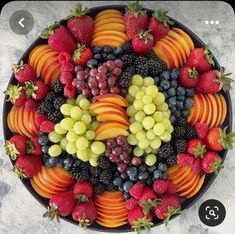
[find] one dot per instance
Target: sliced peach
(111, 219)
(63, 173)
(181, 171)
(112, 207)
(183, 177)
(113, 216)
(21, 123)
(184, 193)
(110, 42)
(108, 108)
(9, 123)
(119, 34)
(191, 114)
(11, 118)
(224, 108)
(115, 26)
(113, 194)
(108, 12)
(209, 110)
(186, 36)
(39, 190)
(108, 20)
(97, 107)
(220, 109)
(110, 124)
(111, 224)
(50, 72)
(111, 115)
(39, 56)
(101, 200)
(106, 16)
(30, 122)
(54, 76)
(107, 37)
(199, 107)
(113, 98)
(17, 123)
(111, 133)
(214, 110)
(34, 114)
(199, 185)
(35, 53)
(188, 183)
(49, 61)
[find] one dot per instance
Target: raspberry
(201, 130)
(64, 56)
(65, 66)
(160, 186)
(171, 188)
(136, 190)
(131, 204)
(39, 119)
(69, 91)
(47, 126)
(197, 166)
(184, 160)
(31, 105)
(66, 78)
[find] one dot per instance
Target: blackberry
(151, 55)
(190, 132)
(165, 151)
(156, 66)
(51, 96)
(125, 79)
(95, 171)
(172, 160)
(128, 60)
(105, 176)
(55, 116)
(45, 107)
(85, 166)
(180, 146)
(58, 102)
(94, 180)
(99, 189)
(57, 87)
(182, 121)
(178, 132)
(142, 69)
(127, 47)
(111, 187)
(140, 60)
(78, 174)
(104, 162)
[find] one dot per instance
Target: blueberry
(47, 163)
(171, 92)
(188, 103)
(107, 49)
(181, 98)
(173, 109)
(124, 176)
(127, 186)
(143, 167)
(98, 57)
(126, 196)
(190, 92)
(180, 105)
(111, 57)
(174, 74)
(77, 163)
(156, 80)
(151, 169)
(178, 114)
(68, 161)
(172, 101)
(143, 176)
(156, 174)
(67, 167)
(92, 63)
(118, 51)
(165, 84)
(131, 171)
(43, 139)
(45, 148)
(117, 181)
(185, 113)
(134, 178)
(116, 174)
(53, 161)
(104, 55)
(162, 167)
(164, 176)
(60, 163)
(149, 182)
(96, 49)
(174, 83)
(172, 118)
(180, 91)
(44, 159)
(165, 75)
(121, 188)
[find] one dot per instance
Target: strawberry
(213, 81)
(83, 190)
(17, 95)
(171, 188)
(64, 56)
(211, 163)
(33, 147)
(31, 105)
(170, 206)
(197, 166)
(159, 24)
(24, 72)
(70, 91)
(38, 90)
(142, 43)
(67, 67)
(188, 77)
(80, 25)
(131, 204)
(196, 148)
(84, 213)
(60, 204)
(201, 130)
(47, 126)
(201, 59)
(138, 220)
(81, 55)
(184, 160)
(59, 38)
(217, 139)
(27, 166)
(135, 19)
(39, 119)
(66, 78)
(16, 146)
(160, 186)
(136, 190)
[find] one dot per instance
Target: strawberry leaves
(161, 16)
(171, 211)
(46, 32)
(142, 224)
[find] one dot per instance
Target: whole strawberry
(135, 19)
(17, 95)
(38, 90)
(84, 213)
(31, 105)
(60, 204)
(142, 43)
(24, 72)
(83, 190)
(201, 130)
(16, 146)
(196, 148)
(59, 38)
(201, 59)
(80, 25)
(33, 146)
(159, 24)
(217, 139)
(213, 81)
(211, 163)
(27, 166)
(170, 206)
(188, 77)
(81, 55)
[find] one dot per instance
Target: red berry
(137, 190)
(47, 126)
(31, 105)
(66, 78)
(160, 186)
(201, 130)
(39, 119)
(131, 204)
(69, 91)
(64, 56)
(65, 66)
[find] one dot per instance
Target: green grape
(76, 113)
(148, 150)
(71, 101)
(162, 107)
(150, 134)
(129, 98)
(158, 116)
(165, 137)
(54, 150)
(54, 137)
(170, 129)
(131, 111)
(84, 104)
(59, 129)
(98, 147)
(65, 109)
(79, 97)
(133, 89)
(138, 105)
(159, 99)
(143, 144)
(71, 136)
(86, 119)
(135, 127)
(138, 151)
(139, 95)
(156, 143)
(94, 125)
(143, 88)
(166, 114)
(149, 109)
(79, 127)
(150, 159)
(82, 143)
(67, 123)
(132, 120)
(158, 129)
(148, 122)
(83, 155)
(93, 162)
(155, 151)
(90, 135)
(137, 80)
(131, 139)
(71, 148)
(140, 135)
(63, 143)
(93, 155)
(148, 81)
(152, 90)
(147, 99)
(166, 123)
(139, 116)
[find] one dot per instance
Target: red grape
(115, 90)
(81, 75)
(86, 92)
(103, 85)
(111, 143)
(123, 155)
(93, 72)
(117, 150)
(121, 140)
(117, 71)
(100, 77)
(111, 82)
(92, 83)
(122, 167)
(103, 91)
(114, 158)
(127, 161)
(102, 69)
(81, 84)
(118, 63)
(74, 83)
(77, 68)
(95, 91)
(110, 65)
(136, 161)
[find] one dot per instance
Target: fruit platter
(117, 118)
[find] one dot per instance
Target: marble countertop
(19, 211)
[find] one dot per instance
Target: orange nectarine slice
(119, 34)
(115, 26)
(171, 170)
(191, 114)
(111, 207)
(97, 107)
(104, 200)
(18, 125)
(48, 62)
(54, 76)
(111, 195)
(38, 57)
(181, 178)
(199, 185)
(224, 108)
(179, 172)
(111, 133)
(108, 20)
(108, 15)
(112, 116)
(110, 42)
(110, 124)
(9, 122)
(209, 110)
(41, 192)
(187, 183)
(111, 224)
(108, 12)
(107, 37)
(198, 105)
(50, 73)
(184, 193)
(21, 122)
(186, 36)
(36, 52)
(214, 110)
(10, 116)
(220, 109)
(113, 98)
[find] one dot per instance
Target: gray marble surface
(19, 211)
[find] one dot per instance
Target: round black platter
(186, 203)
